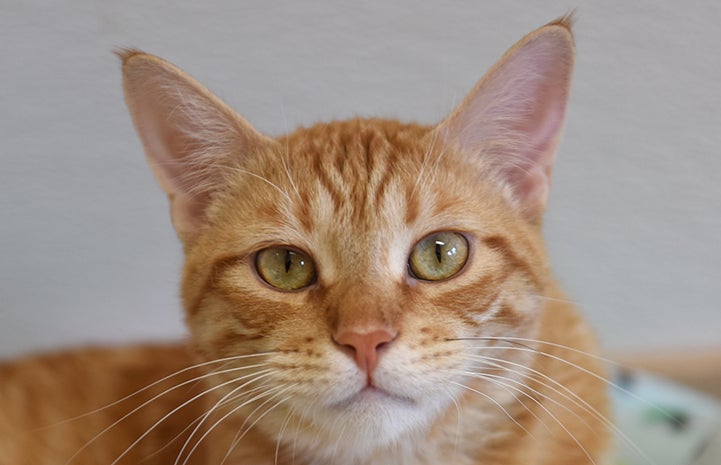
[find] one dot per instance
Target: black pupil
(288, 260)
(439, 248)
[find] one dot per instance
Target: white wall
(87, 253)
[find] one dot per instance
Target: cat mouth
(373, 395)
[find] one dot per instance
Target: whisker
(151, 385)
(512, 391)
(175, 438)
(459, 420)
(209, 430)
(543, 407)
(270, 409)
(524, 348)
(227, 398)
(495, 402)
(512, 339)
(490, 377)
(572, 397)
(232, 412)
(301, 418)
(153, 399)
(283, 426)
(202, 417)
(508, 389)
(176, 409)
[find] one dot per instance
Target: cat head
(356, 264)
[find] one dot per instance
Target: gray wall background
(87, 253)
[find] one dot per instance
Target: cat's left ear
(514, 116)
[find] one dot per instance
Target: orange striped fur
(368, 361)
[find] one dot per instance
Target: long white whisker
(227, 398)
(260, 417)
(176, 409)
(509, 390)
(301, 418)
(571, 396)
(495, 402)
(203, 416)
(494, 379)
(569, 363)
(459, 420)
(212, 427)
(283, 427)
(153, 399)
(190, 425)
(151, 385)
(538, 341)
(490, 377)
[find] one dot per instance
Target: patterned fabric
(662, 423)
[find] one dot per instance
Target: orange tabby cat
(357, 292)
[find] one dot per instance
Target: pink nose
(365, 346)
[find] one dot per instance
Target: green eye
(285, 268)
(439, 256)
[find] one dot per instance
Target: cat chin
(371, 397)
(368, 426)
(373, 421)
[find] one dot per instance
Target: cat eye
(439, 256)
(284, 268)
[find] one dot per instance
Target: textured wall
(87, 253)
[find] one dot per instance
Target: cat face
(359, 267)
(360, 239)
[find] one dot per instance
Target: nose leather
(365, 346)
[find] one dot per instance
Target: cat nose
(365, 346)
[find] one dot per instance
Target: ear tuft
(566, 21)
(125, 53)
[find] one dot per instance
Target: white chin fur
(366, 425)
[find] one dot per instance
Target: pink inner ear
(161, 139)
(546, 102)
(190, 137)
(515, 115)
(525, 97)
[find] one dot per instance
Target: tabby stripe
(303, 212)
(381, 188)
(217, 268)
(500, 244)
(465, 301)
(327, 183)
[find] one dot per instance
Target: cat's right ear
(191, 138)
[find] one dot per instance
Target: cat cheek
(329, 379)
(489, 313)
(419, 381)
